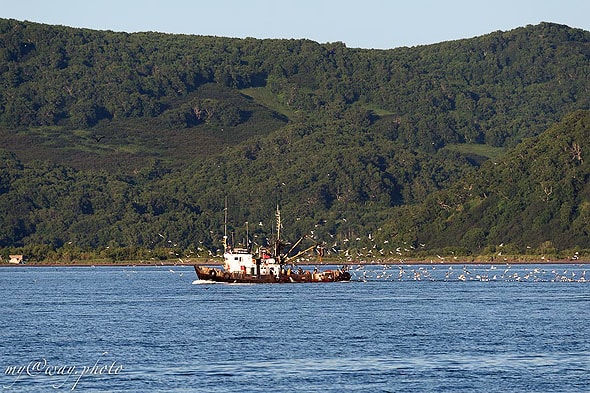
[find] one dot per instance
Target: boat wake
(209, 282)
(204, 282)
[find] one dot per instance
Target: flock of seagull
(444, 269)
(484, 273)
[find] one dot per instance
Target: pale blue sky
(359, 24)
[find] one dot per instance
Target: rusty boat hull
(220, 275)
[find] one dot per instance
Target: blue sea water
(393, 329)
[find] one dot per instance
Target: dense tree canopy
(115, 141)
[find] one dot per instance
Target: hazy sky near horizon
(380, 24)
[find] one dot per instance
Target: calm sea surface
(396, 329)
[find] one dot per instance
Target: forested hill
(132, 141)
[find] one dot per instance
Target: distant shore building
(16, 259)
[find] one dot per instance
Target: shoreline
(318, 263)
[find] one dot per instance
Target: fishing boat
(266, 265)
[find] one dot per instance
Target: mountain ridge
(346, 140)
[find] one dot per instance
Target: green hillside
(533, 199)
(126, 144)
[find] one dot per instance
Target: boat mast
(225, 227)
(278, 239)
(278, 214)
(247, 237)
